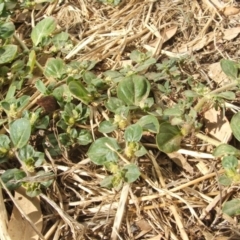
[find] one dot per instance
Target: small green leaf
(230, 68)
(169, 138)
(7, 53)
(22, 101)
(232, 207)
(224, 150)
(149, 123)
(2, 8)
(65, 139)
(11, 92)
(32, 189)
(62, 94)
(60, 39)
(227, 95)
(55, 68)
(145, 65)
(114, 103)
(6, 30)
(132, 173)
(133, 133)
(173, 112)
(20, 131)
(26, 152)
(80, 92)
(31, 60)
(84, 137)
(4, 147)
(11, 176)
(107, 182)
(190, 93)
(40, 86)
(137, 56)
(100, 153)
(229, 162)
(113, 76)
(107, 127)
(177, 121)
(225, 180)
(88, 76)
(42, 123)
(155, 76)
(134, 89)
(18, 65)
(235, 125)
(142, 151)
(43, 29)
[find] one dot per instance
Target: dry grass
(176, 197)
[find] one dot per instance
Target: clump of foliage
(72, 94)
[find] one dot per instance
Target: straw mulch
(177, 196)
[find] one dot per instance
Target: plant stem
(224, 88)
(201, 102)
(208, 139)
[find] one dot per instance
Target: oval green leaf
(235, 125)
(229, 162)
(113, 104)
(134, 89)
(137, 56)
(173, 112)
(20, 131)
(132, 173)
(84, 137)
(145, 65)
(169, 138)
(230, 68)
(107, 182)
(149, 123)
(80, 92)
(107, 127)
(88, 77)
(100, 153)
(11, 176)
(224, 150)
(31, 61)
(232, 207)
(40, 86)
(227, 95)
(43, 29)
(133, 133)
(55, 68)
(225, 180)
(6, 30)
(7, 53)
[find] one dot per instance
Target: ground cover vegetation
(119, 119)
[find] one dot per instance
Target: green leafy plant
(229, 155)
(104, 151)
(127, 105)
(16, 146)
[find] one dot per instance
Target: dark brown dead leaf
(48, 103)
